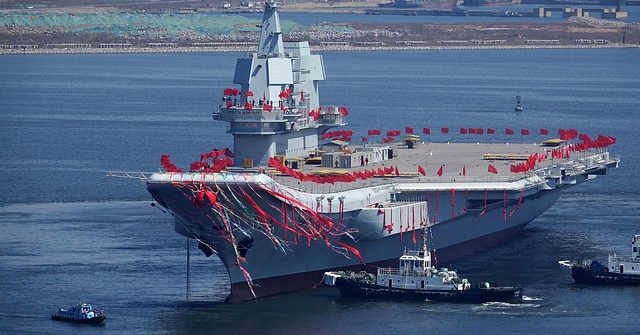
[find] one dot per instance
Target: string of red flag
(330, 179)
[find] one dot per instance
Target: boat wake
(505, 305)
(528, 298)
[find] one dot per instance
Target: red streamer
(519, 201)
(484, 209)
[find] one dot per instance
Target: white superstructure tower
(276, 110)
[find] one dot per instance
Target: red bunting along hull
(270, 263)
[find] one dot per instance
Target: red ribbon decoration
(519, 201)
(485, 203)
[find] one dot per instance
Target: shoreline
(342, 48)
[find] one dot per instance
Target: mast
(270, 34)
(188, 296)
(424, 250)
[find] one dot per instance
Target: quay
(495, 45)
(541, 12)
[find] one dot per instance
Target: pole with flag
(492, 169)
(421, 170)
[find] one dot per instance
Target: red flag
(531, 161)
(564, 135)
(248, 106)
(440, 171)
(444, 130)
(544, 131)
(606, 140)
(301, 95)
(463, 130)
(464, 170)
(492, 169)
(491, 131)
(249, 93)
(408, 130)
(508, 131)
(264, 96)
(426, 131)
(397, 172)
(422, 171)
(524, 131)
(286, 94)
(228, 153)
(364, 139)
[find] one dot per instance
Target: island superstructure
(278, 222)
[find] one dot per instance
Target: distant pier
(541, 12)
(605, 13)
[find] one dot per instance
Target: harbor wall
(15, 51)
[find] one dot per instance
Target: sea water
(69, 233)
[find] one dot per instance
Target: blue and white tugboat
(417, 279)
(81, 313)
(620, 270)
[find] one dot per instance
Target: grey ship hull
(274, 272)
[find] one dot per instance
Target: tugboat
(81, 313)
(620, 270)
(518, 106)
(416, 279)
